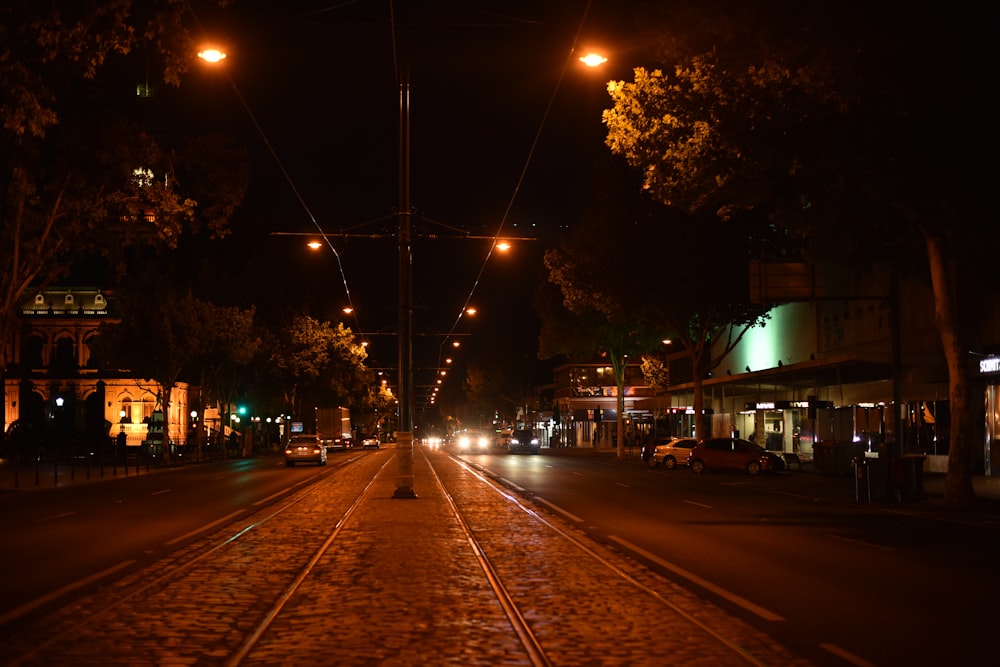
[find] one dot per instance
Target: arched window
(64, 357)
(31, 352)
(127, 409)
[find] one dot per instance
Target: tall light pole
(404, 434)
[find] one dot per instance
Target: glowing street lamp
(593, 59)
(212, 55)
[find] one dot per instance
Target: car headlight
(484, 443)
(463, 442)
(534, 441)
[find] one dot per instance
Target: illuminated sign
(787, 405)
(989, 365)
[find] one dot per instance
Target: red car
(733, 454)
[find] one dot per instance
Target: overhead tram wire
(520, 179)
(284, 171)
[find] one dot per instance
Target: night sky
(312, 90)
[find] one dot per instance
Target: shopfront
(785, 426)
(989, 370)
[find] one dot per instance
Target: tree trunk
(958, 480)
(701, 429)
(621, 418)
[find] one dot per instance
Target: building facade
(852, 361)
(56, 394)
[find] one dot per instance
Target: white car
(672, 453)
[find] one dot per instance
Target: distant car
(523, 440)
(340, 442)
(672, 453)
(305, 449)
(473, 441)
(371, 442)
(733, 454)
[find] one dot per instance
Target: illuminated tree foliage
(847, 123)
(318, 364)
(84, 169)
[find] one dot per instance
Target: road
(62, 539)
(793, 554)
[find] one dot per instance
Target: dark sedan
(733, 454)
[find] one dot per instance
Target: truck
(333, 426)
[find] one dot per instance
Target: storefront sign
(989, 365)
(787, 405)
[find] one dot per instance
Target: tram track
(323, 577)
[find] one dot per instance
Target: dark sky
(312, 89)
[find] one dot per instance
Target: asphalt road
(793, 554)
(58, 540)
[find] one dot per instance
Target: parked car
(371, 442)
(523, 440)
(671, 453)
(733, 454)
(305, 449)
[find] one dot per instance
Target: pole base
(404, 492)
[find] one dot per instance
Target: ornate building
(55, 389)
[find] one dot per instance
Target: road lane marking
(739, 601)
(556, 508)
(627, 486)
(37, 602)
(507, 482)
(861, 542)
(54, 517)
(846, 655)
(161, 492)
(696, 504)
(225, 519)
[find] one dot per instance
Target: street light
(593, 60)
(404, 434)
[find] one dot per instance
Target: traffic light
(241, 410)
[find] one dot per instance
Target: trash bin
(908, 477)
(862, 480)
(870, 483)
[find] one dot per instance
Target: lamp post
(404, 435)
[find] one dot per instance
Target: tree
(499, 384)
(824, 122)
(76, 175)
(701, 300)
(161, 335)
(317, 363)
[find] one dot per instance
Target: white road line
(627, 486)
(54, 517)
(228, 517)
(846, 655)
(691, 502)
(556, 508)
(37, 602)
(861, 542)
(161, 492)
(274, 495)
(507, 482)
(765, 614)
